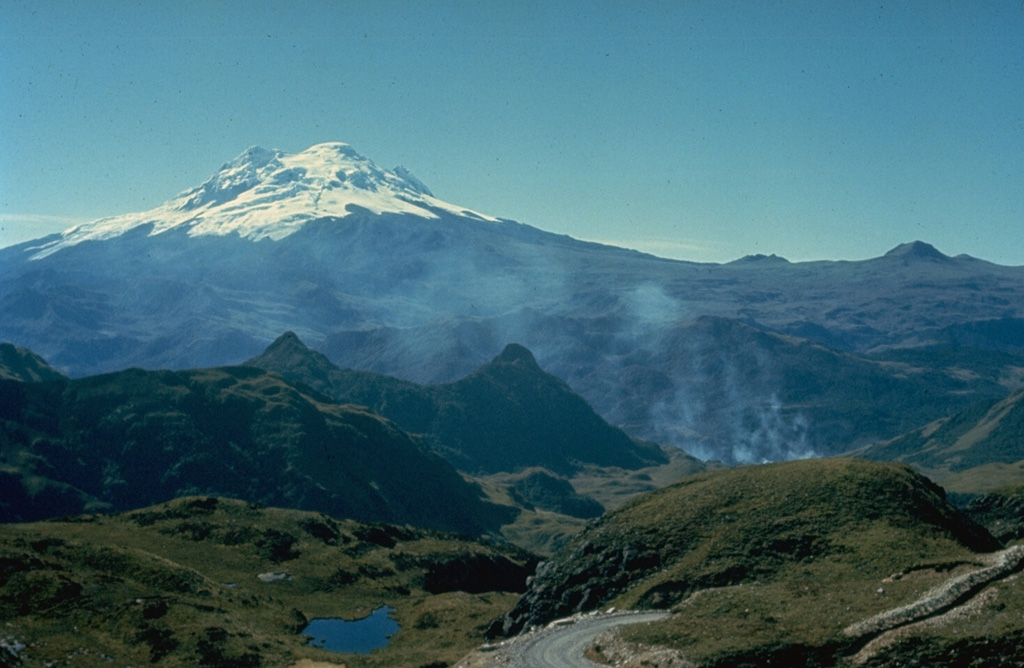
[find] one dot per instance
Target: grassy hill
(134, 438)
(179, 584)
(766, 564)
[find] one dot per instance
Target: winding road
(562, 646)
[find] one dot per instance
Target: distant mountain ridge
(379, 275)
(506, 415)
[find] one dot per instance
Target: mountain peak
(290, 357)
(287, 342)
(516, 354)
(761, 258)
(917, 250)
(269, 194)
(22, 364)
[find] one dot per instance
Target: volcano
(372, 269)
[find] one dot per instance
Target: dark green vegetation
(505, 416)
(179, 584)
(767, 565)
(23, 364)
(974, 451)
(135, 438)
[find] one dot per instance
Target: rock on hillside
(134, 438)
(759, 524)
(509, 414)
(1001, 512)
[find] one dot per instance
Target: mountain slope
(717, 388)
(136, 437)
(507, 415)
(977, 450)
(23, 364)
(270, 194)
(767, 565)
(368, 267)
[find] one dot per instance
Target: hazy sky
(698, 130)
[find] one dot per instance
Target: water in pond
(355, 637)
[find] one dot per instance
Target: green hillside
(134, 438)
(766, 565)
(507, 415)
(202, 581)
(976, 450)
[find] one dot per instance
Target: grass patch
(179, 584)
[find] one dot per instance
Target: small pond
(353, 637)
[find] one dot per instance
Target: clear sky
(706, 131)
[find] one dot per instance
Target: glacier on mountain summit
(268, 193)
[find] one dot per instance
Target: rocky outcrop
(586, 578)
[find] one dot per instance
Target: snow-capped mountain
(369, 267)
(270, 194)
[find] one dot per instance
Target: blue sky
(698, 130)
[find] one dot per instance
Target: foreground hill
(202, 581)
(507, 415)
(134, 438)
(974, 451)
(770, 565)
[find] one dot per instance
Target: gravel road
(563, 646)
(559, 645)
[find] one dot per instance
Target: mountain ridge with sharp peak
(509, 414)
(22, 364)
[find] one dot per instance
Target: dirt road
(561, 644)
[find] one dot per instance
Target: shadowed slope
(22, 364)
(139, 437)
(507, 415)
(976, 450)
